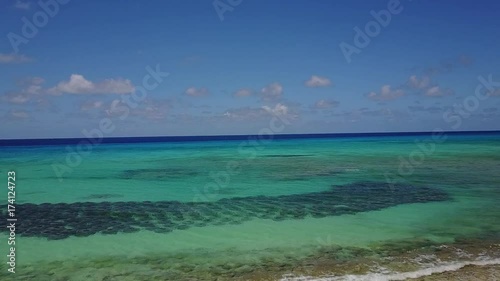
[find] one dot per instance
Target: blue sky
(234, 65)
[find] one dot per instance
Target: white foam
(440, 268)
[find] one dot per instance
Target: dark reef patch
(301, 175)
(59, 221)
(157, 174)
(285, 155)
(101, 196)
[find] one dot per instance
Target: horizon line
(187, 138)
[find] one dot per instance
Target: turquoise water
(240, 210)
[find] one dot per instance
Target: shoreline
(468, 272)
(473, 259)
(486, 270)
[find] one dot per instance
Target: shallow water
(226, 209)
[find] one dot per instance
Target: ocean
(286, 207)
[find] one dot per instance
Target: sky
(168, 68)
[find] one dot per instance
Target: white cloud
(272, 91)
(262, 113)
(18, 114)
(325, 104)
(33, 89)
(386, 93)
(32, 81)
(32, 85)
(196, 92)
(416, 83)
(245, 113)
(115, 108)
(77, 84)
(279, 109)
(431, 110)
(13, 58)
(494, 93)
(30, 89)
(91, 105)
(243, 93)
(17, 98)
(22, 5)
(154, 109)
(425, 87)
(318, 81)
(436, 91)
(153, 112)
